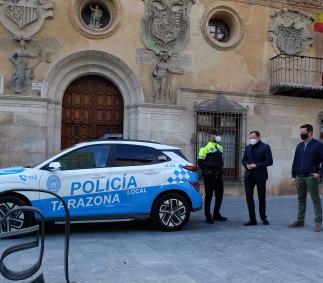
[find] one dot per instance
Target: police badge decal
(165, 25)
(24, 18)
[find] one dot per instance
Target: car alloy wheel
(171, 212)
(16, 220)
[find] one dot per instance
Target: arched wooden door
(92, 106)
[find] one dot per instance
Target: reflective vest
(211, 147)
(210, 158)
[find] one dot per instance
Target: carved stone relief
(165, 30)
(148, 57)
(24, 18)
(21, 80)
(289, 31)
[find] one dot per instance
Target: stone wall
(30, 124)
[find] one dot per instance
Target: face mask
(253, 141)
(218, 139)
(304, 136)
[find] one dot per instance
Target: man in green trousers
(306, 172)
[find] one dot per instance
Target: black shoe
(209, 220)
(219, 218)
(265, 222)
(251, 223)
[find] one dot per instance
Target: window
(178, 152)
(96, 18)
(135, 155)
(89, 157)
(228, 118)
(222, 26)
(219, 30)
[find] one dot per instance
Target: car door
(81, 180)
(137, 174)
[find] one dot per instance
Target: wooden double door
(92, 107)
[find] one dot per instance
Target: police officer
(210, 161)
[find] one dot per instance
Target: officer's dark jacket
(210, 159)
(259, 154)
(307, 160)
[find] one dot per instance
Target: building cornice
(310, 4)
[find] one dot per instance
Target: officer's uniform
(210, 161)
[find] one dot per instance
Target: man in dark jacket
(306, 171)
(256, 158)
(210, 161)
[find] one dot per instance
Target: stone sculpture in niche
(21, 81)
(96, 17)
(289, 31)
(165, 31)
(161, 78)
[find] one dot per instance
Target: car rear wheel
(17, 220)
(171, 212)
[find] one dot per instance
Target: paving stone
(228, 252)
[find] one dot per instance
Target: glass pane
(85, 158)
(132, 155)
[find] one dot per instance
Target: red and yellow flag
(318, 26)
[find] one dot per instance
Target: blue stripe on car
(12, 171)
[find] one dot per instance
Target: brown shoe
(317, 227)
(296, 224)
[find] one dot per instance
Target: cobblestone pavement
(224, 252)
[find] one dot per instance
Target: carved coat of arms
(22, 12)
(165, 25)
(24, 18)
(289, 31)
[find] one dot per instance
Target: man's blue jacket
(308, 160)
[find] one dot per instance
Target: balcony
(298, 76)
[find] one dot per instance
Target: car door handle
(152, 172)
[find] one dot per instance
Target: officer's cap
(214, 132)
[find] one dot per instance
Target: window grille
(229, 119)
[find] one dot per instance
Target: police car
(112, 179)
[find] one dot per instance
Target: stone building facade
(161, 70)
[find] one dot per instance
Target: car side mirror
(162, 158)
(54, 166)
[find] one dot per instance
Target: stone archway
(79, 64)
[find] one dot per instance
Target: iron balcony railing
(296, 72)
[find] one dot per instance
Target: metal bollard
(12, 275)
(21, 275)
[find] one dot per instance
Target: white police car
(114, 179)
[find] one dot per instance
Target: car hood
(18, 175)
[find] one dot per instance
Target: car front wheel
(171, 212)
(17, 220)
